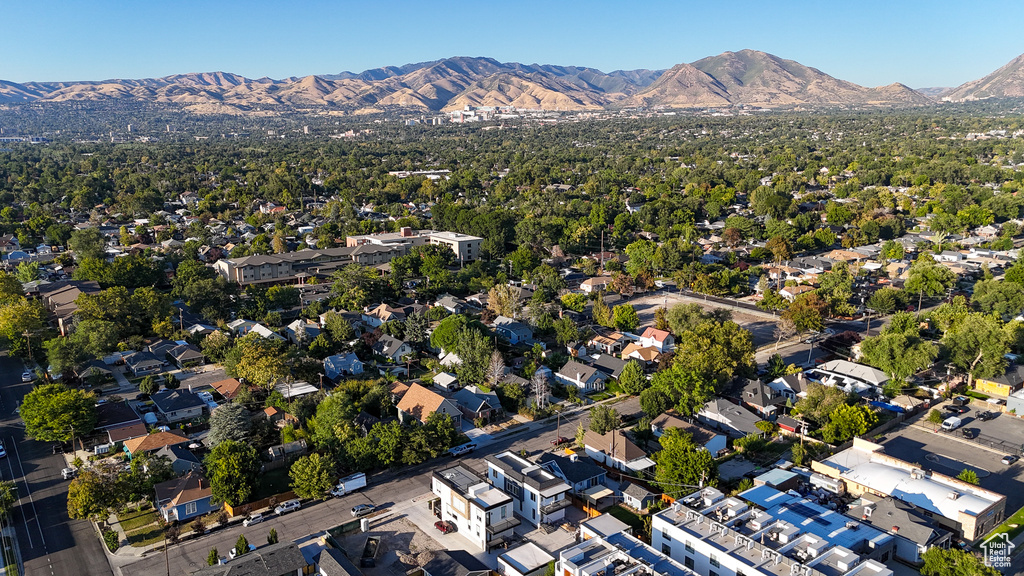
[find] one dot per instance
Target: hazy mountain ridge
(747, 77)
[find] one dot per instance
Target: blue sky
(870, 42)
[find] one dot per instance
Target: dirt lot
(760, 326)
(401, 546)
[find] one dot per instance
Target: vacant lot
(761, 326)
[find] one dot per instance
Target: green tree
(446, 334)
(926, 277)
(574, 301)
(641, 257)
(149, 385)
(390, 439)
(312, 476)
(684, 317)
(935, 417)
(241, 545)
(53, 412)
(836, 288)
(18, 317)
(272, 537)
(939, 561)
(8, 496)
(27, 272)
(625, 317)
(819, 402)
(474, 350)
(685, 389)
(683, 467)
(601, 313)
(977, 345)
(87, 243)
(1000, 297)
(887, 300)
(232, 467)
(632, 378)
(213, 558)
(807, 313)
(260, 361)
(969, 476)
(845, 422)
(231, 421)
(604, 419)
(90, 495)
(718, 351)
(898, 355)
(566, 330)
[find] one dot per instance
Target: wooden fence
(244, 509)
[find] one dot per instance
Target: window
(714, 561)
(689, 546)
(666, 536)
(712, 573)
(533, 497)
(885, 557)
(191, 508)
(666, 549)
(504, 512)
(688, 562)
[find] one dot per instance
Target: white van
(951, 423)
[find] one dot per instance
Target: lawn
(149, 534)
(598, 396)
(135, 520)
(272, 483)
(628, 517)
(1013, 525)
(614, 387)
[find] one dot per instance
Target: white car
(68, 473)
(27, 376)
(255, 518)
(463, 449)
(285, 507)
(3, 451)
(361, 510)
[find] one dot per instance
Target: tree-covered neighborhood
(713, 344)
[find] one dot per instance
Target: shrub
(112, 540)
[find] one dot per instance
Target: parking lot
(950, 453)
(760, 326)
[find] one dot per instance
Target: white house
(586, 378)
(539, 495)
(482, 513)
(659, 339)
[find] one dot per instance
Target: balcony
(503, 525)
(555, 506)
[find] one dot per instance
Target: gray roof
(572, 472)
(572, 368)
(333, 562)
(888, 513)
(453, 563)
(471, 401)
(387, 345)
(174, 400)
(610, 365)
(272, 560)
(637, 491)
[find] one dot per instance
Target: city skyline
(870, 43)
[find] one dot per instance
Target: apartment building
(777, 534)
(617, 554)
(292, 267)
(540, 497)
(466, 247)
(963, 508)
(481, 512)
(406, 238)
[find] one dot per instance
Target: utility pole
(602, 251)
(28, 342)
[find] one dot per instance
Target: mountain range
(747, 77)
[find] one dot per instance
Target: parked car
(961, 401)
(559, 441)
(254, 518)
(361, 510)
(68, 473)
(970, 433)
(959, 409)
(142, 396)
(27, 376)
(3, 451)
(951, 423)
(986, 416)
(1009, 459)
(285, 507)
(463, 449)
(444, 526)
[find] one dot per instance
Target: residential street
(50, 543)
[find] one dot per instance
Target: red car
(444, 526)
(559, 441)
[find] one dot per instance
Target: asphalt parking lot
(949, 454)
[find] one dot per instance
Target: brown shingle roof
(671, 419)
(228, 388)
(624, 449)
(128, 432)
(155, 441)
(189, 488)
(419, 402)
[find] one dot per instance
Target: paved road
(387, 489)
(51, 544)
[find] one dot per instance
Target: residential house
(184, 497)
(241, 327)
(1003, 385)
(418, 403)
(608, 343)
(637, 497)
(178, 405)
(594, 557)
(181, 458)
(228, 388)
(342, 365)
(595, 284)
(142, 363)
(647, 356)
(615, 450)
(445, 563)
(294, 267)
(580, 474)
(473, 407)
(281, 559)
(391, 348)
(452, 304)
(660, 340)
(731, 419)
(540, 497)
(524, 560)
(186, 355)
(278, 417)
(381, 315)
(9, 243)
(763, 399)
(850, 377)
(603, 526)
(586, 379)
(119, 421)
(482, 513)
(609, 365)
(281, 454)
(59, 299)
(153, 442)
(791, 293)
(302, 331)
(706, 438)
(914, 531)
(513, 331)
(446, 380)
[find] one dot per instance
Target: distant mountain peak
(1006, 82)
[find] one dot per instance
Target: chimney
(895, 529)
(406, 231)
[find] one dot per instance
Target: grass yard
(272, 483)
(628, 517)
(614, 387)
(146, 535)
(142, 527)
(1013, 525)
(603, 395)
